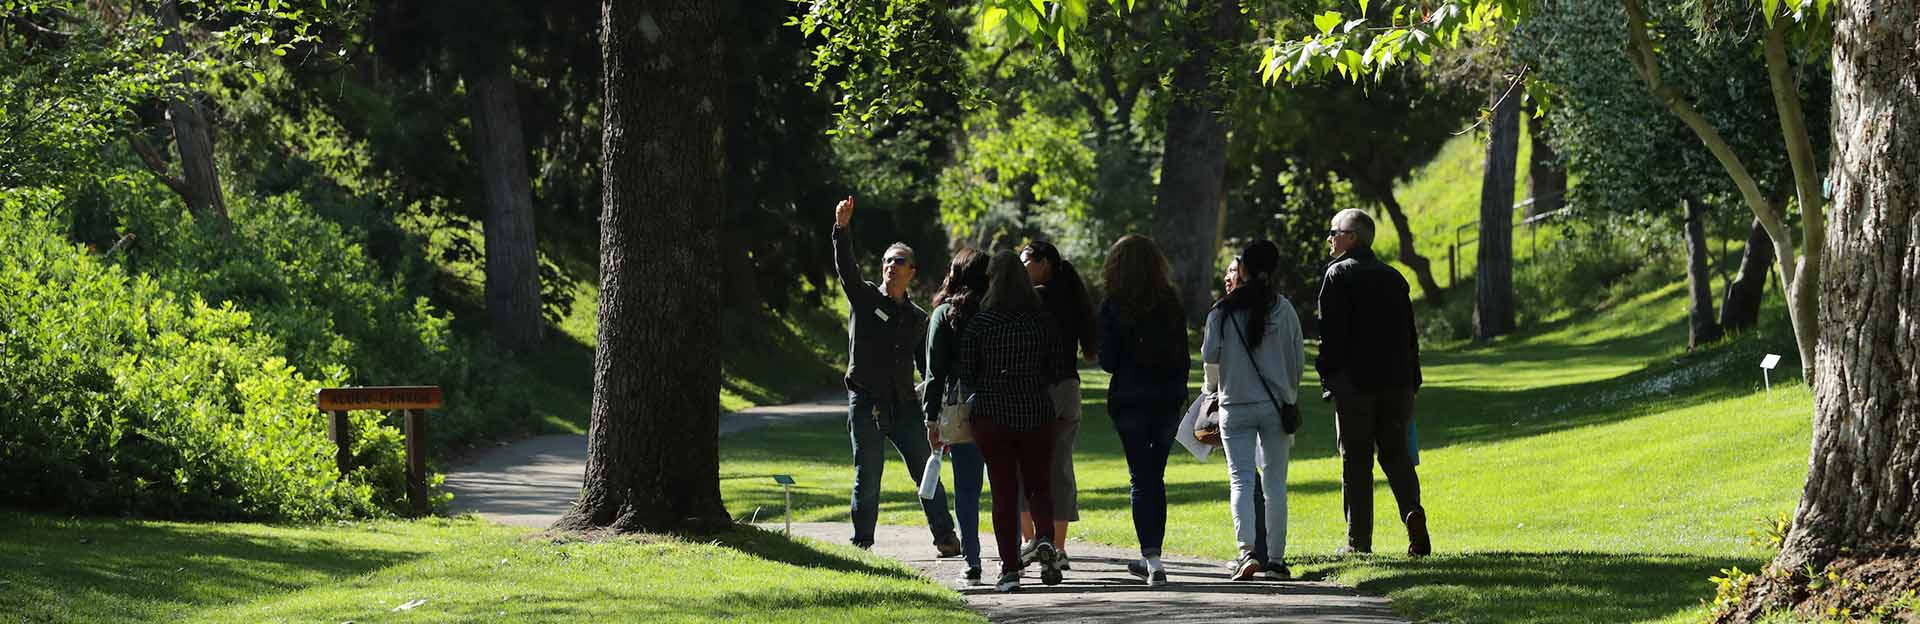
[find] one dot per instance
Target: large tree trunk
(1422, 269)
(1860, 499)
(199, 183)
(513, 261)
(1701, 328)
(1194, 164)
(653, 461)
(1493, 284)
(1546, 175)
(1741, 307)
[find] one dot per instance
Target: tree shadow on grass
(98, 570)
(773, 546)
(1536, 588)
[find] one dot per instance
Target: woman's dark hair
(1258, 261)
(964, 287)
(1137, 279)
(1066, 278)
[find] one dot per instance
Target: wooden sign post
(786, 485)
(410, 400)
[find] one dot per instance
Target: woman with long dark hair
(956, 304)
(1006, 361)
(1143, 342)
(1254, 356)
(1068, 309)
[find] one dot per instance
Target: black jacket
(1367, 340)
(1137, 382)
(887, 338)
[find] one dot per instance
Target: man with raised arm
(886, 336)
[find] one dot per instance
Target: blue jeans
(969, 473)
(908, 433)
(1146, 436)
(1247, 430)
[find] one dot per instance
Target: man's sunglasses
(901, 260)
(1336, 232)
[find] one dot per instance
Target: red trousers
(1010, 453)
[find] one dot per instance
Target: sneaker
(1419, 544)
(972, 577)
(1245, 567)
(1061, 556)
(1155, 578)
(1029, 553)
(1277, 572)
(1049, 560)
(1351, 549)
(1009, 582)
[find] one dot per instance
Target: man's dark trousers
(1367, 421)
(907, 431)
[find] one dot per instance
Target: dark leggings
(1008, 453)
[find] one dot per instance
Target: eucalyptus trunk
(1860, 493)
(653, 461)
(1192, 194)
(513, 261)
(1493, 283)
(1546, 175)
(199, 182)
(1421, 267)
(1741, 308)
(1701, 328)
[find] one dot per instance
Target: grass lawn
(1588, 472)
(64, 570)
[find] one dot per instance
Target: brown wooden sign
(380, 398)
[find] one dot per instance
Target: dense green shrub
(116, 395)
(310, 283)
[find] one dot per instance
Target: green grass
(1589, 471)
(64, 570)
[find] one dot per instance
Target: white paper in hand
(1184, 434)
(930, 478)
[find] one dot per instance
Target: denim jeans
(1249, 430)
(969, 473)
(1146, 436)
(908, 434)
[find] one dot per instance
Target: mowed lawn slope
(65, 570)
(1588, 471)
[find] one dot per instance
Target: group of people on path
(1006, 334)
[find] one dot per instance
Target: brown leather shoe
(948, 545)
(1419, 544)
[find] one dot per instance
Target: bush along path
(531, 482)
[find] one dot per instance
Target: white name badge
(882, 314)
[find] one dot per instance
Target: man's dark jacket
(887, 338)
(1367, 340)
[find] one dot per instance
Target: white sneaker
(1029, 553)
(1009, 582)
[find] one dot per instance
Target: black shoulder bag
(1289, 413)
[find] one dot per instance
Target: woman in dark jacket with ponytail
(1068, 309)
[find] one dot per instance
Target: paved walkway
(531, 483)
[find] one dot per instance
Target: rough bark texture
(1741, 308)
(192, 139)
(1546, 175)
(513, 262)
(652, 445)
(1493, 284)
(1701, 328)
(1422, 269)
(1193, 169)
(1862, 494)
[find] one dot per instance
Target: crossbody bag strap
(1255, 362)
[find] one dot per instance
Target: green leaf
(1039, 6)
(1327, 21)
(991, 19)
(1768, 8)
